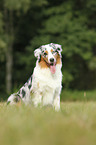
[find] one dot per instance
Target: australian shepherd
(44, 85)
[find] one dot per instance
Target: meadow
(75, 124)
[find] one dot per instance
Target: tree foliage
(69, 26)
(69, 23)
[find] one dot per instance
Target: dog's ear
(37, 53)
(57, 47)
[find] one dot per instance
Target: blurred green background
(27, 24)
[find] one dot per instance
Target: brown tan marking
(46, 52)
(58, 59)
(43, 63)
(51, 50)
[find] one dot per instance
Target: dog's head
(49, 55)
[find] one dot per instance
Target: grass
(69, 95)
(75, 124)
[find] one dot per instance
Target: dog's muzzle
(52, 65)
(51, 60)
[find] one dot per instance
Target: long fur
(44, 86)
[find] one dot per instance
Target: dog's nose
(51, 59)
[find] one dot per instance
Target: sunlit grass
(75, 124)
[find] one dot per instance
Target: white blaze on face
(51, 56)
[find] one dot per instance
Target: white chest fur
(44, 77)
(46, 85)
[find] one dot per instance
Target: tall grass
(75, 124)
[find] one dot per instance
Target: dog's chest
(44, 78)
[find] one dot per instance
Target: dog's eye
(45, 53)
(58, 49)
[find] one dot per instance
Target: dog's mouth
(52, 66)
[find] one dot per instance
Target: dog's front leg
(56, 101)
(36, 98)
(48, 97)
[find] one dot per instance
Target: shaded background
(27, 24)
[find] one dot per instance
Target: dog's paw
(56, 104)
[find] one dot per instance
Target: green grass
(75, 124)
(69, 95)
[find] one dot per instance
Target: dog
(44, 86)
